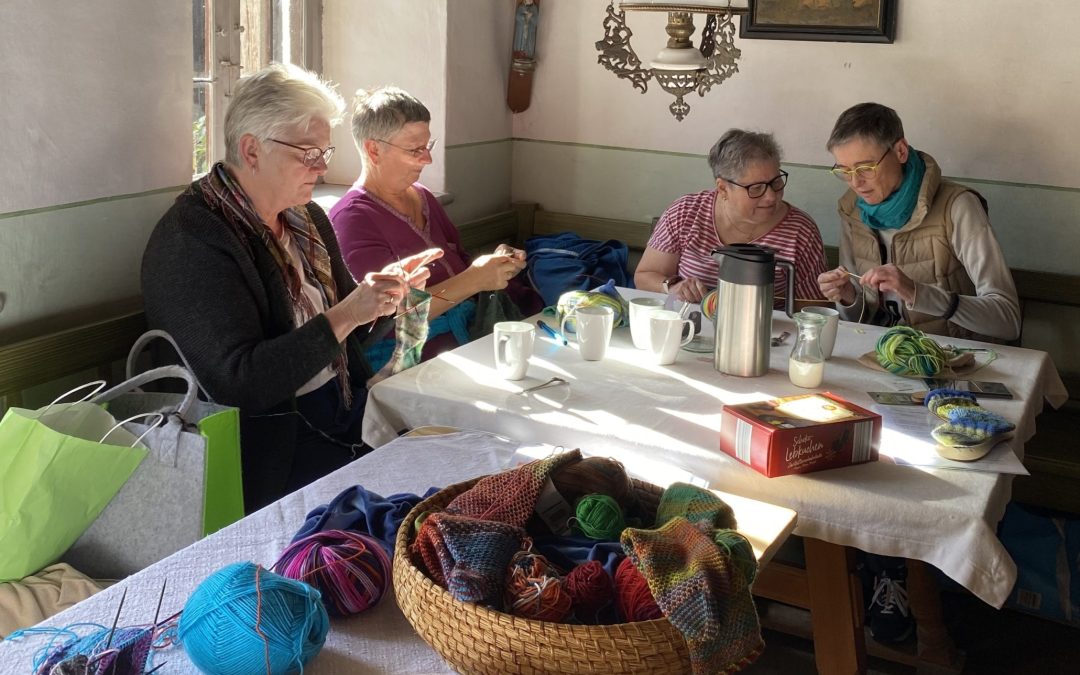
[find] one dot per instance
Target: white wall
(369, 43)
(990, 91)
(95, 126)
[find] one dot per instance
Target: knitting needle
(116, 620)
(425, 301)
(157, 612)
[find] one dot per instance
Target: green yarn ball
(908, 352)
(739, 550)
(599, 517)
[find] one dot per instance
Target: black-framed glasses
(311, 155)
(416, 152)
(757, 190)
(863, 171)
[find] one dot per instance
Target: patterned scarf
(896, 210)
(224, 195)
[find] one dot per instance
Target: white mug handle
(562, 326)
(500, 351)
(690, 335)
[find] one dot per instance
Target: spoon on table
(550, 383)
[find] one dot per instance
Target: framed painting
(828, 20)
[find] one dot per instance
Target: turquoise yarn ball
(218, 626)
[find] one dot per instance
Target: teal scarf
(896, 210)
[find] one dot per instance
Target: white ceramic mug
(639, 319)
(666, 335)
(593, 333)
(828, 331)
(513, 348)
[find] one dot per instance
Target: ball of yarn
(595, 475)
(534, 589)
(244, 620)
(350, 569)
(590, 588)
(572, 299)
(909, 352)
(709, 304)
(599, 517)
(632, 595)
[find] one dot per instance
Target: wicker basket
(475, 639)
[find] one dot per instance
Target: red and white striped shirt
(687, 230)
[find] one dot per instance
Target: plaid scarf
(223, 194)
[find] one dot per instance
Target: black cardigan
(231, 315)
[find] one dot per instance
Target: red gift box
(800, 434)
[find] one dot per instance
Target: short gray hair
(872, 122)
(736, 149)
(276, 100)
(380, 113)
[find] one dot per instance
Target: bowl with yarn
(528, 637)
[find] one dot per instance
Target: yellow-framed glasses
(863, 171)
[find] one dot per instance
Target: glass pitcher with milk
(806, 366)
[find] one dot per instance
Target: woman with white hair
(388, 214)
(245, 273)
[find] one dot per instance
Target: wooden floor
(993, 641)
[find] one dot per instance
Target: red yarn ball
(534, 589)
(632, 594)
(590, 588)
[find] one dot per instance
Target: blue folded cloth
(363, 511)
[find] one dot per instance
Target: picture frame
(821, 20)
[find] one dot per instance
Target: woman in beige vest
(914, 248)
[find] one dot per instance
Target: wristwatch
(666, 284)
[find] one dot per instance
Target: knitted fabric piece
(510, 496)
(466, 556)
(700, 507)
(411, 332)
(702, 592)
(966, 422)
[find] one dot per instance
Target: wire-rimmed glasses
(757, 190)
(416, 152)
(863, 171)
(311, 155)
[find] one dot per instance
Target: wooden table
(665, 420)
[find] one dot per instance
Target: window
(232, 38)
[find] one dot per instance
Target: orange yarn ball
(534, 589)
(632, 594)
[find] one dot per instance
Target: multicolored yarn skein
(245, 620)
(350, 569)
(534, 589)
(598, 516)
(905, 351)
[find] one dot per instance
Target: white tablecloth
(667, 418)
(378, 641)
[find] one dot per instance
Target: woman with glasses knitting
(388, 215)
(746, 206)
(919, 249)
(245, 273)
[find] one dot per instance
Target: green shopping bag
(59, 467)
(188, 486)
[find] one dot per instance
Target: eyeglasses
(311, 155)
(864, 171)
(416, 152)
(757, 190)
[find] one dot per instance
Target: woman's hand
(689, 290)
(506, 249)
(414, 269)
(494, 271)
(889, 279)
(836, 286)
(378, 294)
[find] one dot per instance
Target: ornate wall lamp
(679, 68)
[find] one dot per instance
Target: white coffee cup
(639, 319)
(593, 333)
(513, 348)
(666, 335)
(828, 331)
